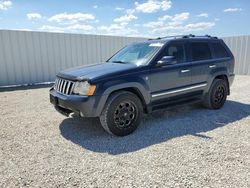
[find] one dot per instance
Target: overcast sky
(147, 18)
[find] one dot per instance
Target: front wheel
(217, 94)
(121, 114)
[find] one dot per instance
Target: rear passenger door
(201, 57)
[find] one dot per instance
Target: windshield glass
(138, 54)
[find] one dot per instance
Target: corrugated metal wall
(240, 46)
(34, 57)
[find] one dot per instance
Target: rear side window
(219, 50)
(200, 51)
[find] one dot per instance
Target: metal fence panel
(33, 57)
(240, 46)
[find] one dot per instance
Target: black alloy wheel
(122, 113)
(217, 94)
(125, 114)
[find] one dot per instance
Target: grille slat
(63, 86)
(59, 86)
(59, 81)
(72, 87)
(67, 89)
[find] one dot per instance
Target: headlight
(84, 88)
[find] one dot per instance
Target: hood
(95, 71)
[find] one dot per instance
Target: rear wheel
(217, 94)
(121, 114)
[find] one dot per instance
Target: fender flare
(104, 97)
(215, 73)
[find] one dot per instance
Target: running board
(175, 103)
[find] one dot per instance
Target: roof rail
(203, 36)
(174, 36)
(188, 36)
(185, 36)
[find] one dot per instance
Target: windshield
(138, 54)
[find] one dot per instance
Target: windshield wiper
(122, 62)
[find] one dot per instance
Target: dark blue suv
(146, 76)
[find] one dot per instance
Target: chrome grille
(64, 87)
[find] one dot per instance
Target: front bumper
(66, 104)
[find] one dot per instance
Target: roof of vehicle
(181, 37)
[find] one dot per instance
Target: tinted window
(200, 51)
(219, 51)
(176, 50)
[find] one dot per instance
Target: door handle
(212, 66)
(186, 70)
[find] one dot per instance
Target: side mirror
(166, 60)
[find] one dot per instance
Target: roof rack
(204, 36)
(166, 37)
(185, 36)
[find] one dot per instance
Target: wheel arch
(219, 73)
(141, 92)
(224, 77)
(136, 92)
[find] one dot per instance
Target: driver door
(171, 79)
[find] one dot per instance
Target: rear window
(200, 51)
(219, 50)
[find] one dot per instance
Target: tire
(121, 114)
(217, 94)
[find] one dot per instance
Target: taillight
(233, 62)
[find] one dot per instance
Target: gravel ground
(181, 147)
